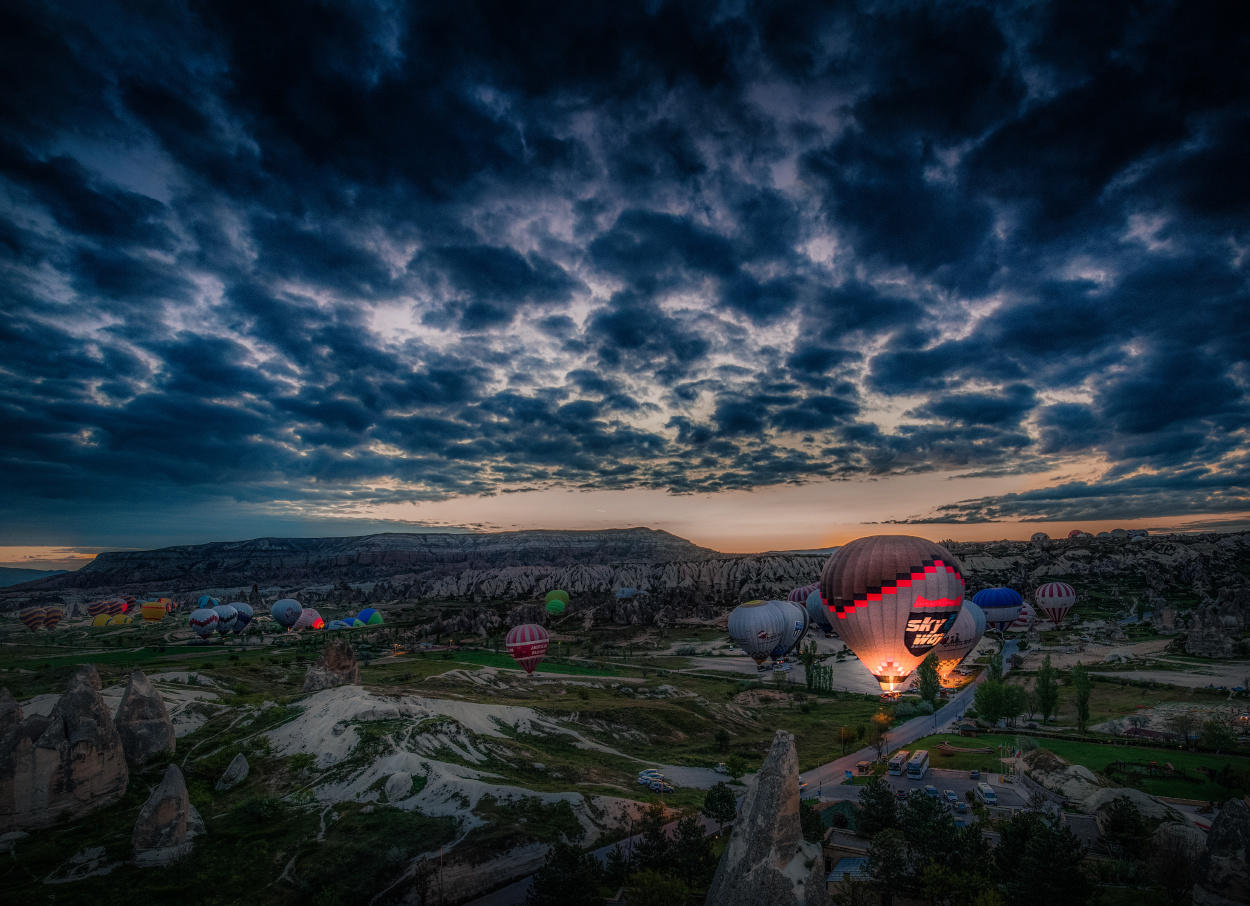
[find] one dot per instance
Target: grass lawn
(1098, 757)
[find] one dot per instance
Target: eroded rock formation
(164, 830)
(143, 722)
(767, 860)
(336, 667)
(61, 766)
(236, 772)
(1224, 869)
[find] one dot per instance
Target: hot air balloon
(1001, 606)
(152, 611)
(370, 617)
(892, 598)
(797, 622)
(116, 606)
(336, 624)
(757, 627)
(32, 618)
(207, 602)
(52, 614)
(309, 619)
(95, 608)
(353, 623)
(556, 602)
(1028, 616)
(1055, 599)
(227, 616)
(119, 619)
(799, 595)
(960, 639)
(101, 619)
(527, 644)
(1077, 533)
(203, 621)
(816, 612)
(286, 612)
(244, 615)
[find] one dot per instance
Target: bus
(897, 761)
(986, 794)
(918, 765)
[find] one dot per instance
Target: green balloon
(557, 594)
(555, 606)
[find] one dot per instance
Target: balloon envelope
(203, 621)
(1055, 599)
(32, 618)
(207, 602)
(336, 624)
(1001, 606)
(152, 611)
(757, 627)
(1028, 616)
(797, 622)
(527, 644)
(52, 615)
(558, 594)
(286, 612)
(555, 606)
(245, 615)
(960, 639)
(226, 617)
(892, 598)
(309, 619)
(370, 617)
(101, 619)
(801, 594)
(817, 613)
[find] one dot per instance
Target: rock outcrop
(1224, 869)
(162, 832)
(236, 772)
(1150, 808)
(766, 859)
(336, 667)
(61, 766)
(1072, 781)
(143, 722)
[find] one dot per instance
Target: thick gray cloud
(308, 257)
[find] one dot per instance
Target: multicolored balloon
(1028, 616)
(1001, 606)
(527, 644)
(32, 618)
(1055, 599)
(207, 602)
(95, 608)
(757, 627)
(52, 614)
(960, 639)
(892, 599)
(203, 621)
(370, 617)
(801, 594)
(286, 611)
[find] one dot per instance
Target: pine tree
(1047, 688)
(692, 856)
(565, 877)
(1081, 689)
(927, 675)
(878, 809)
(720, 805)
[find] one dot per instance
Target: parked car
(930, 790)
(660, 786)
(974, 775)
(951, 797)
(651, 772)
(961, 807)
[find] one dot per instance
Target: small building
(849, 868)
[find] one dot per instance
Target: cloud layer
(311, 259)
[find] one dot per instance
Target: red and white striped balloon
(527, 644)
(1055, 599)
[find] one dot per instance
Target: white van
(986, 794)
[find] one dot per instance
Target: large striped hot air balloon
(1055, 599)
(152, 611)
(286, 612)
(757, 627)
(52, 615)
(527, 644)
(892, 598)
(309, 619)
(960, 639)
(116, 606)
(1001, 606)
(203, 621)
(95, 608)
(32, 618)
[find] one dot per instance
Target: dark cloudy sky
(759, 274)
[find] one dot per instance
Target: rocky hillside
(12, 576)
(294, 561)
